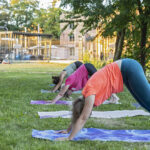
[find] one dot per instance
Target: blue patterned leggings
(136, 82)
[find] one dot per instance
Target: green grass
(19, 83)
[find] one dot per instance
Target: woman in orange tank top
(102, 84)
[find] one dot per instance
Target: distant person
(5, 61)
(102, 56)
(111, 54)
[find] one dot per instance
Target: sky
(46, 3)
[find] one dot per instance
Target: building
(75, 45)
(23, 45)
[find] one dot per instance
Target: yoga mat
(52, 84)
(43, 102)
(60, 102)
(94, 134)
(136, 105)
(47, 91)
(96, 114)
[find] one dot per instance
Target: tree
(26, 13)
(23, 13)
(115, 17)
(141, 32)
(4, 13)
(49, 19)
(106, 17)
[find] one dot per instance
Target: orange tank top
(103, 83)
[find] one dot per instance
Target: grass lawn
(19, 83)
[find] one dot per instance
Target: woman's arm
(62, 76)
(61, 94)
(89, 102)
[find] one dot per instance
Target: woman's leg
(131, 91)
(135, 80)
(78, 64)
(90, 68)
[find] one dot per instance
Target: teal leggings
(136, 82)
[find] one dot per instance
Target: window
(72, 51)
(71, 26)
(71, 37)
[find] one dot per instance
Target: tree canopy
(4, 13)
(20, 14)
(128, 20)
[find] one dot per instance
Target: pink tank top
(78, 79)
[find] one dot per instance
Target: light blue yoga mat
(94, 134)
(137, 105)
(47, 91)
(43, 102)
(52, 84)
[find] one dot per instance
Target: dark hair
(55, 79)
(77, 108)
(66, 95)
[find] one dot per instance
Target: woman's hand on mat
(62, 139)
(62, 131)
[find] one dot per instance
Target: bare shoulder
(119, 62)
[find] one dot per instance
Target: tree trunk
(119, 44)
(144, 14)
(143, 44)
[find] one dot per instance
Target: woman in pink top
(102, 84)
(76, 81)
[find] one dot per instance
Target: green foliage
(86, 56)
(17, 15)
(111, 17)
(4, 13)
(96, 62)
(87, 12)
(49, 20)
(136, 44)
(22, 14)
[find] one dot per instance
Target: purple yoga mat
(48, 102)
